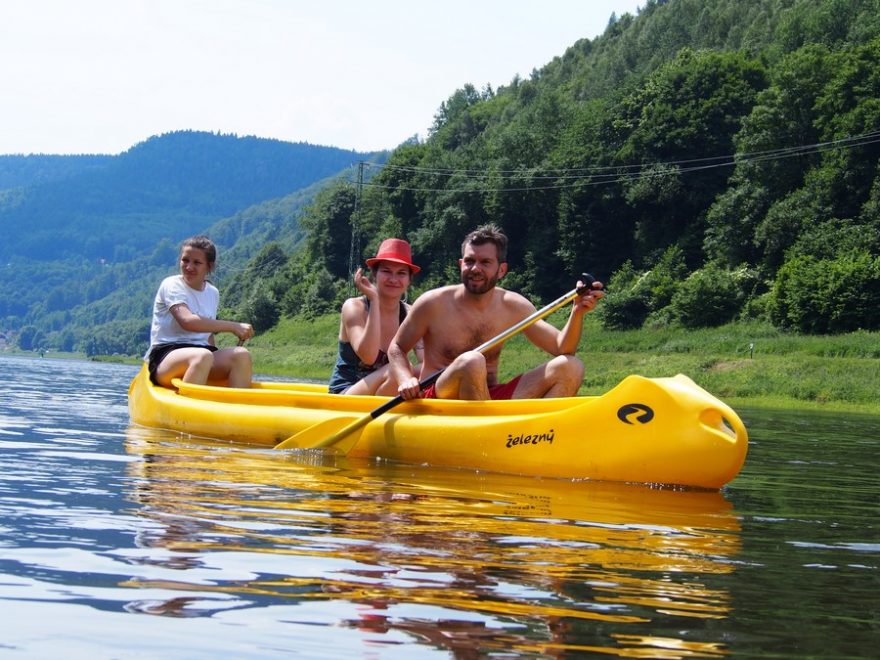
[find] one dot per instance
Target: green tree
(329, 227)
(698, 98)
(638, 294)
(30, 338)
(260, 308)
(267, 262)
(66, 340)
(709, 297)
(828, 295)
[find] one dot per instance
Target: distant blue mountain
(116, 207)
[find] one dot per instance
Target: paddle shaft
(492, 343)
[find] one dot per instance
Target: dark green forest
(710, 160)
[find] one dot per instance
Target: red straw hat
(397, 250)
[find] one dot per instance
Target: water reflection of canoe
(647, 430)
(391, 535)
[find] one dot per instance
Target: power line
(603, 175)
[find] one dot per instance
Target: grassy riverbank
(743, 364)
(748, 364)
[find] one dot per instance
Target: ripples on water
(120, 541)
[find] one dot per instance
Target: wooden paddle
(325, 434)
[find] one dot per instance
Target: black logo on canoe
(642, 413)
(530, 438)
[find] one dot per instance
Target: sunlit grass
(743, 363)
(304, 349)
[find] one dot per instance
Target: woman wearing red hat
(368, 322)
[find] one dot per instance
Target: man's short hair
(488, 234)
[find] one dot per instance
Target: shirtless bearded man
(453, 320)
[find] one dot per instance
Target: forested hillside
(168, 186)
(19, 171)
(85, 238)
(709, 159)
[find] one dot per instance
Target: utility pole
(353, 255)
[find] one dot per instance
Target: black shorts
(159, 351)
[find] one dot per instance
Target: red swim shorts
(496, 392)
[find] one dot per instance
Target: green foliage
(320, 295)
(454, 123)
(849, 236)
(828, 295)
(664, 279)
(625, 310)
(329, 227)
(634, 295)
(299, 288)
(30, 338)
(699, 97)
(260, 308)
(758, 307)
(708, 297)
(783, 223)
(243, 290)
(116, 338)
(817, 95)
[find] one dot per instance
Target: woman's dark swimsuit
(349, 368)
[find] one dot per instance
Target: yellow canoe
(646, 430)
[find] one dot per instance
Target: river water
(124, 542)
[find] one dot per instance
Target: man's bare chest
(462, 332)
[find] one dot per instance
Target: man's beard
(485, 286)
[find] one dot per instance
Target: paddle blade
(327, 434)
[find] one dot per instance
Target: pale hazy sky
(99, 76)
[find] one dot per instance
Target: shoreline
(741, 381)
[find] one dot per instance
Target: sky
(99, 76)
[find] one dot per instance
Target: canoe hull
(646, 430)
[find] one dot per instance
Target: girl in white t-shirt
(185, 322)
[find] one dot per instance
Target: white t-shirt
(173, 291)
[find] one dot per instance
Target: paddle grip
(588, 281)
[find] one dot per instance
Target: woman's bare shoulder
(353, 307)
